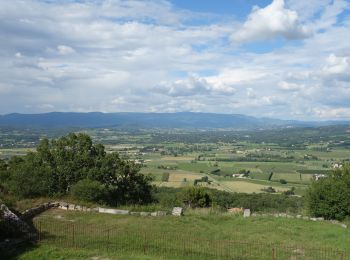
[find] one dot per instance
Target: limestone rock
(177, 211)
(246, 213)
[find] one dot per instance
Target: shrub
(165, 176)
(88, 190)
(269, 190)
(283, 181)
(289, 192)
(196, 197)
(330, 197)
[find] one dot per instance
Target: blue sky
(282, 58)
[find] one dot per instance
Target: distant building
(337, 166)
(318, 177)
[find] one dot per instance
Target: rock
(161, 213)
(63, 206)
(135, 213)
(113, 211)
(246, 213)
(320, 219)
(313, 219)
(177, 211)
(56, 204)
(343, 225)
(153, 214)
(71, 207)
(144, 214)
(299, 216)
(13, 220)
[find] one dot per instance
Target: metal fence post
(40, 231)
(273, 253)
(73, 236)
(108, 239)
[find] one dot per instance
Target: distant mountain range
(152, 120)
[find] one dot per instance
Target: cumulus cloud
(65, 50)
(337, 68)
(269, 22)
(289, 86)
(193, 85)
(148, 56)
(331, 113)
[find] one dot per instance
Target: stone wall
(32, 212)
(285, 215)
(68, 206)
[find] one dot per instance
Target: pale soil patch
(171, 184)
(248, 187)
(180, 175)
(178, 158)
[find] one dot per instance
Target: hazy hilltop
(149, 120)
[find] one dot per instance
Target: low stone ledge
(32, 212)
(284, 215)
(113, 211)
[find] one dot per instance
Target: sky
(287, 59)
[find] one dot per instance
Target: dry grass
(247, 187)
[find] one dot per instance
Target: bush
(196, 197)
(290, 192)
(88, 190)
(265, 202)
(165, 176)
(283, 181)
(269, 190)
(330, 197)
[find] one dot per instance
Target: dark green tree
(57, 165)
(330, 197)
(194, 197)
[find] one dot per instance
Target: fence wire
(171, 245)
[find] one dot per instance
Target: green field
(291, 155)
(201, 233)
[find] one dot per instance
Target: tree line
(74, 165)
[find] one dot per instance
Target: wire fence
(171, 245)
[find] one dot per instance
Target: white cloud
(65, 50)
(338, 67)
(113, 56)
(194, 85)
(289, 86)
(331, 113)
(272, 21)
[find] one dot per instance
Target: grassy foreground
(204, 233)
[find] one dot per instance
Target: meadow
(202, 233)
